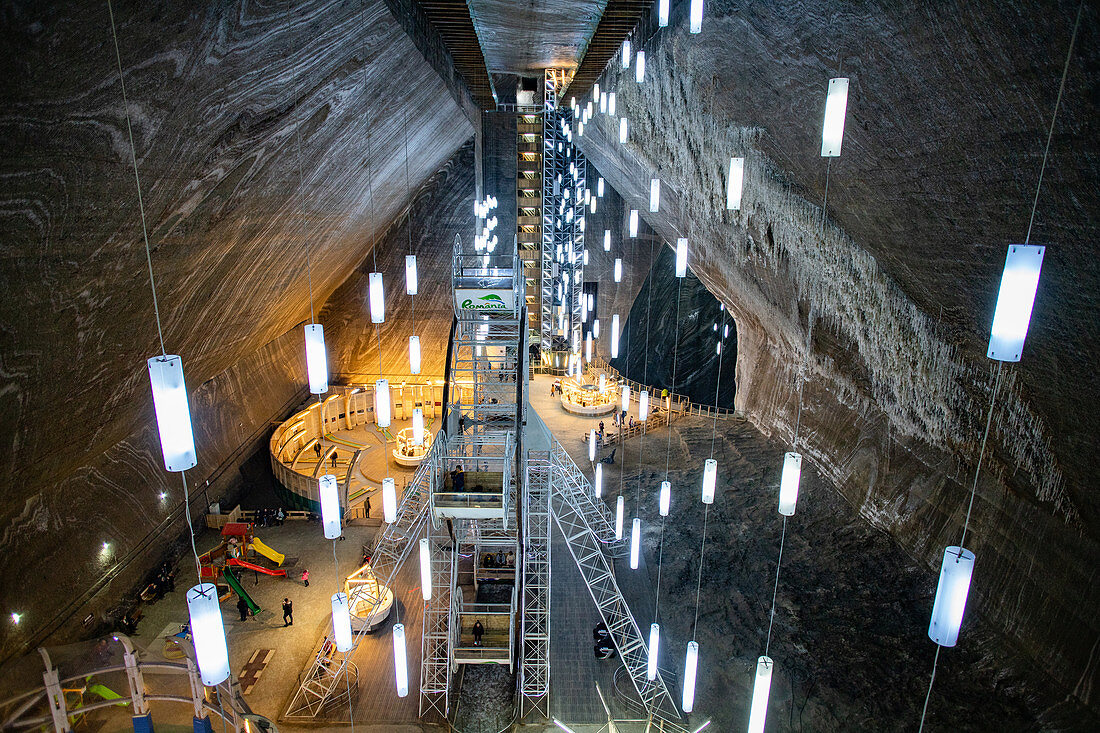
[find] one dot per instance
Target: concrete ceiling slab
(529, 35)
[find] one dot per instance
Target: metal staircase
(575, 488)
(588, 551)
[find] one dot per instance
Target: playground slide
(243, 564)
(260, 547)
(235, 584)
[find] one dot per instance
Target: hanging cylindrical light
(341, 622)
(718, 348)
(389, 500)
(418, 426)
(606, 240)
(425, 569)
(618, 270)
(696, 16)
(788, 484)
(626, 54)
(603, 381)
(611, 104)
(588, 347)
(596, 328)
(651, 652)
(662, 13)
(665, 500)
(328, 493)
(761, 690)
(951, 593)
(620, 507)
(599, 184)
(710, 480)
(615, 336)
(832, 131)
(643, 404)
(382, 403)
(1015, 300)
(316, 358)
(410, 274)
(208, 633)
(735, 183)
(584, 256)
(400, 662)
(414, 354)
(691, 663)
(597, 483)
(635, 542)
(177, 441)
(626, 398)
(603, 103)
(633, 226)
(377, 298)
(681, 257)
(591, 445)
(654, 195)
(639, 67)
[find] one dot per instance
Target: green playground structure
(235, 584)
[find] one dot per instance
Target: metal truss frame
(437, 636)
(535, 625)
(577, 490)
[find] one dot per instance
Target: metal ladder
(587, 551)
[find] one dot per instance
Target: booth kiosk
(588, 399)
(407, 453)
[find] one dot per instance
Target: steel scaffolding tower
(535, 630)
(564, 172)
(436, 639)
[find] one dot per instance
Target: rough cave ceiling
(531, 35)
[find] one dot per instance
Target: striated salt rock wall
(895, 391)
(230, 104)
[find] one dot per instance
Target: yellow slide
(260, 547)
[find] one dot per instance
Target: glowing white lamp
(695, 16)
(1014, 301)
(418, 426)
(618, 270)
(619, 508)
(761, 690)
(665, 500)
(316, 358)
(603, 103)
(615, 335)
(626, 398)
(654, 195)
(836, 104)
(400, 661)
(606, 240)
(341, 622)
(651, 652)
(633, 222)
(410, 274)
(382, 403)
(951, 593)
(691, 663)
(584, 257)
(208, 633)
(389, 500)
(596, 329)
(591, 445)
(681, 257)
(599, 185)
(330, 506)
(588, 347)
(643, 404)
(377, 298)
(735, 183)
(414, 354)
(710, 480)
(425, 569)
(635, 542)
(603, 381)
(639, 67)
(177, 442)
(788, 484)
(626, 54)
(622, 130)
(662, 13)
(611, 104)
(597, 483)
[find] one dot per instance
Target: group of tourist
(499, 559)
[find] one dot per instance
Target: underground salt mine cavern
(365, 362)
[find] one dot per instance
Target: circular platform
(588, 399)
(407, 453)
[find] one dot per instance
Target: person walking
(242, 608)
(368, 507)
(288, 612)
(458, 480)
(317, 449)
(334, 459)
(478, 631)
(305, 578)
